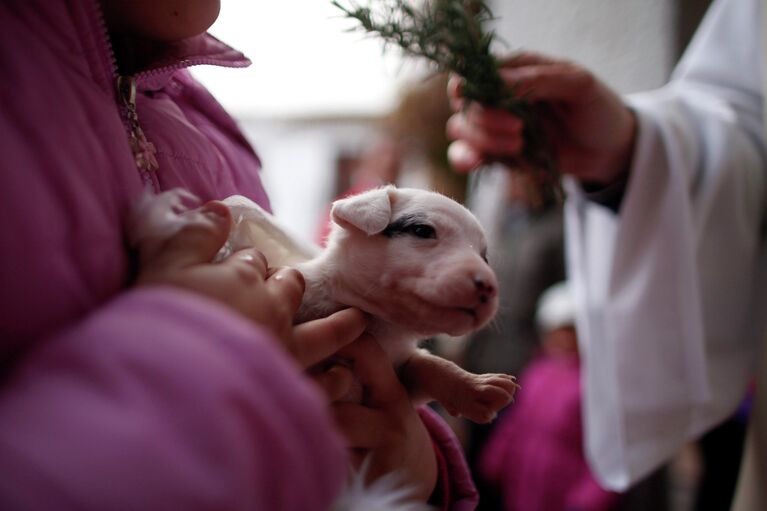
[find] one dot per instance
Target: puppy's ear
(369, 212)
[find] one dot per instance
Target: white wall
(299, 160)
(305, 62)
(628, 43)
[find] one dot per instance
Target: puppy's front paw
(479, 397)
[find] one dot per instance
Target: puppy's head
(414, 258)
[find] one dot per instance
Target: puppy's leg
(478, 397)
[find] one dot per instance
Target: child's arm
(163, 399)
(170, 396)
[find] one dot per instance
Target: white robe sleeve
(670, 290)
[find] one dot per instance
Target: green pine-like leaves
(452, 35)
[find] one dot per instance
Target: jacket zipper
(144, 151)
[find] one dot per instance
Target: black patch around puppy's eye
(422, 231)
(410, 225)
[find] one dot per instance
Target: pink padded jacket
(117, 398)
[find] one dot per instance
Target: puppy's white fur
(413, 260)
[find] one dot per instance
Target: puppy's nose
(485, 290)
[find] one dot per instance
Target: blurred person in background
(721, 452)
(665, 236)
(534, 457)
(527, 254)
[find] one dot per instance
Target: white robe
(672, 290)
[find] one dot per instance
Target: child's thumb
(198, 241)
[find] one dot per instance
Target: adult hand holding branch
(589, 129)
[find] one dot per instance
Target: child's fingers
(361, 426)
(335, 382)
(199, 241)
(286, 286)
(316, 340)
(374, 370)
(250, 264)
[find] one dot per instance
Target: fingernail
(281, 273)
(301, 279)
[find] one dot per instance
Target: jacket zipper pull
(144, 151)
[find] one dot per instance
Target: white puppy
(413, 260)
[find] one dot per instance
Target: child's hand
(316, 340)
(244, 282)
(385, 426)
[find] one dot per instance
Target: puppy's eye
(422, 231)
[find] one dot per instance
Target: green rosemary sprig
(452, 35)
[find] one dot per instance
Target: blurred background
(316, 93)
(330, 112)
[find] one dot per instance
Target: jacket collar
(198, 50)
